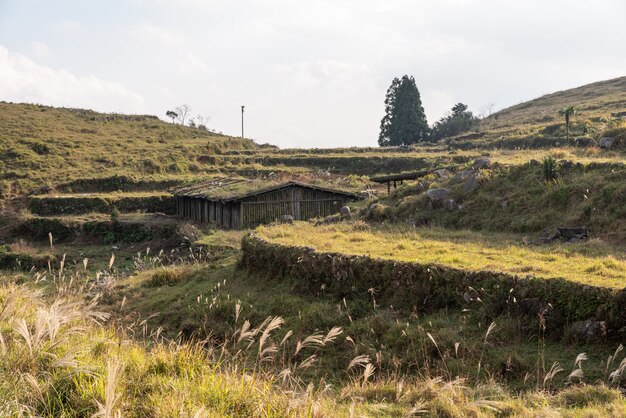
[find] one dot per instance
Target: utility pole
(242, 108)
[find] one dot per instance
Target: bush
(550, 168)
(115, 214)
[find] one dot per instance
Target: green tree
(568, 112)
(459, 120)
(404, 122)
(171, 114)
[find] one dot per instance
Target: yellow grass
(592, 262)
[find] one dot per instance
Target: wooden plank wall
(299, 202)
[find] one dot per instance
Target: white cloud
(22, 80)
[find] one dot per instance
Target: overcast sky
(311, 73)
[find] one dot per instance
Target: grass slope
(538, 124)
(520, 199)
(596, 101)
(44, 146)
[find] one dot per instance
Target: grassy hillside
(518, 199)
(596, 102)
(537, 123)
(45, 146)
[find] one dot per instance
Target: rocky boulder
(606, 142)
(442, 173)
(471, 183)
(481, 162)
(568, 235)
(345, 212)
(589, 330)
(451, 205)
(462, 175)
(438, 194)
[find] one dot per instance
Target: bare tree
(485, 115)
(182, 111)
(487, 110)
(202, 121)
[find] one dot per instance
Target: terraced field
(594, 263)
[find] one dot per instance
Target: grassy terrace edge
(417, 287)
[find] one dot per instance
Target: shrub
(377, 212)
(550, 168)
(115, 214)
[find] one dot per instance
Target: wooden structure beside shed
(396, 179)
(242, 203)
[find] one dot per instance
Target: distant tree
(459, 120)
(171, 114)
(487, 110)
(201, 122)
(568, 112)
(183, 110)
(404, 122)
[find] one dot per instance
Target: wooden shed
(242, 203)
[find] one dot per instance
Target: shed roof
(229, 189)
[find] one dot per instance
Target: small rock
(481, 162)
(505, 203)
(438, 194)
(442, 173)
(421, 186)
(286, 219)
(458, 177)
(606, 142)
(471, 183)
(367, 194)
(589, 329)
(451, 205)
(568, 235)
(573, 233)
(345, 212)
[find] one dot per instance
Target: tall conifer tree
(404, 122)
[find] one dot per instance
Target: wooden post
(388, 187)
(242, 108)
